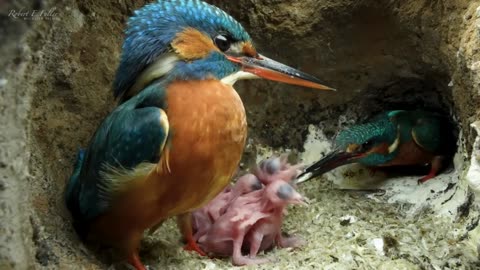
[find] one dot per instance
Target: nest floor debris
(343, 230)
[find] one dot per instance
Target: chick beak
(269, 69)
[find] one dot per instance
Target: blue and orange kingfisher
(391, 138)
(177, 135)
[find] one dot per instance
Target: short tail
(72, 184)
(72, 190)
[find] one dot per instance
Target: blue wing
(128, 137)
(434, 133)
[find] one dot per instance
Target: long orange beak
(272, 70)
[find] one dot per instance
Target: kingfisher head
(372, 144)
(192, 40)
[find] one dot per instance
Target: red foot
(436, 165)
(192, 246)
(426, 178)
(134, 260)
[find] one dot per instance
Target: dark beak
(331, 161)
(269, 69)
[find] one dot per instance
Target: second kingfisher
(392, 138)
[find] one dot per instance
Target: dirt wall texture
(56, 75)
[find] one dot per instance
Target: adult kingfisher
(177, 135)
(391, 138)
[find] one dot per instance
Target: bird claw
(293, 242)
(135, 262)
(192, 246)
(425, 178)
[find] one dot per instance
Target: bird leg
(291, 241)
(199, 233)
(184, 223)
(201, 223)
(134, 260)
(255, 243)
(437, 162)
(238, 258)
(130, 248)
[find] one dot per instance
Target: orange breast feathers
(209, 128)
(410, 154)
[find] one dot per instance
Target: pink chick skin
(267, 231)
(275, 168)
(253, 222)
(205, 216)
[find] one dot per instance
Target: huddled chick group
(248, 215)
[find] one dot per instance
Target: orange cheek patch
(249, 50)
(380, 149)
(352, 148)
(191, 44)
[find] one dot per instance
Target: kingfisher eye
(222, 42)
(366, 145)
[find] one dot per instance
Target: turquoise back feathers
(429, 130)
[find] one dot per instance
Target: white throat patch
(240, 75)
(395, 143)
